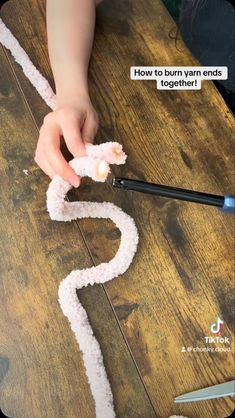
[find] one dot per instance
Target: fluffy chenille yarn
(95, 164)
(61, 210)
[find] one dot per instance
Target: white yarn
(31, 72)
(177, 416)
(60, 210)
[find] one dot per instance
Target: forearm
(70, 28)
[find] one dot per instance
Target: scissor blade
(216, 391)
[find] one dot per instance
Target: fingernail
(74, 181)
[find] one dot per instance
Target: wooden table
(182, 275)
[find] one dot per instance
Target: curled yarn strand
(61, 210)
(95, 165)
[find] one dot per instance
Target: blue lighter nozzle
(229, 204)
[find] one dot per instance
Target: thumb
(71, 132)
(89, 129)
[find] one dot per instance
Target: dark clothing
(208, 29)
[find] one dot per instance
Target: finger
(45, 166)
(89, 129)
(40, 157)
(55, 158)
(71, 130)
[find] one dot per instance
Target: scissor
(212, 392)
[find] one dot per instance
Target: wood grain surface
(182, 275)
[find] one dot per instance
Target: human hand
(78, 123)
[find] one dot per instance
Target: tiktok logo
(216, 326)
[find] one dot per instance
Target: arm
(70, 27)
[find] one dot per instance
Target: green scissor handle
(212, 392)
